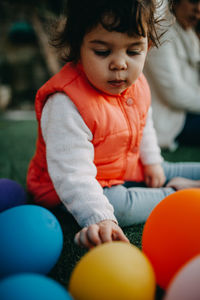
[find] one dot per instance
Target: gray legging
(133, 204)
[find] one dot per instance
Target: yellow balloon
(113, 271)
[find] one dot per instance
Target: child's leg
(133, 205)
(189, 170)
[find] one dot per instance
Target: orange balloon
(171, 234)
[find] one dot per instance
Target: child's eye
(133, 52)
(103, 53)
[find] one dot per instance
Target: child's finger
(119, 235)
(105, 233)
(81, 239)
(76, 238)
(84, 240)
(155, 183)
(148, 181)
(93, 235)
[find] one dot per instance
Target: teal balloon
(32, 287)
(31, 240)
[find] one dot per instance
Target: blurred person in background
(173, 72)
(198, 29)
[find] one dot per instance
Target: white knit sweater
(173, 73)
(70, 155)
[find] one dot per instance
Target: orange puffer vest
(116, 122)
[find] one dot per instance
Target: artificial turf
(17, 144)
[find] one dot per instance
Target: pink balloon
(185, 285)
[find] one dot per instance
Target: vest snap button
(129, 101)
(135, 150)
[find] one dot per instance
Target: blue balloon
(32, 287)
(11, 194)
(31, 240)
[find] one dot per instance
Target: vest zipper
(121, 104)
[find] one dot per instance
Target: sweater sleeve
(150, 152)
(70, 155)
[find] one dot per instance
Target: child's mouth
(116, 83)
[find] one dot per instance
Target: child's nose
(118, 64)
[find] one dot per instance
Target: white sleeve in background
(70, 155)
(150, 152)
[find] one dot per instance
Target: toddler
(96, 141)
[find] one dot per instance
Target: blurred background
(26, 58)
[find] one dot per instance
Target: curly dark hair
(127, 16)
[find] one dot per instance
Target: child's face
(112, 61)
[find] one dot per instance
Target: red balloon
(171, 234)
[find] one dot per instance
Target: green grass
(17, 144)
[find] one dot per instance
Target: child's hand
(102, 232)
(180, 183)
(154, 175)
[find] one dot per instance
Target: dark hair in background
(172, 4)
(125, 16)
